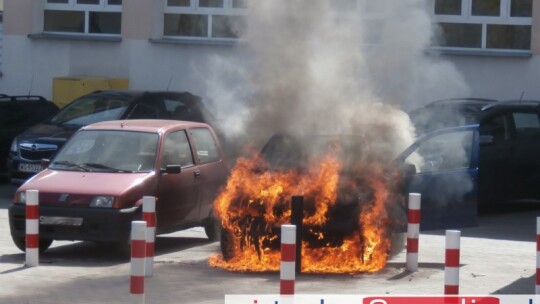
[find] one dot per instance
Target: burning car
(353, 212)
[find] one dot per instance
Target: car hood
(87, 184)
(48, 132)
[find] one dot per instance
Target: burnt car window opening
(205, 144)
(177, 150)
(92, 109)
(104, 150)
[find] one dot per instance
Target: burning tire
(227, 245)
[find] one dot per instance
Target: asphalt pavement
(497, 257)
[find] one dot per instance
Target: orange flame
(254, 204)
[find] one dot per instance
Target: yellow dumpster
(66, 89)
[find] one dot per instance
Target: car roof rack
(22, 98)
(448, 100)
(512, 102)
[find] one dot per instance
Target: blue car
(443, 167)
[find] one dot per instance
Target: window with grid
(214, 19)
(483, 24)
(101, 17)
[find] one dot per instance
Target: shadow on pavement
(523, 285)
(89, 254)
(513, 222)
(6, 195)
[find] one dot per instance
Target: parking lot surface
(497, 257)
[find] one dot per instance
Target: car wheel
(213, 230)
(20, 242)
(123, 249)
(399, 241)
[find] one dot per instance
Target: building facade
(166, 44)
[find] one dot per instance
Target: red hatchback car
(93, 188)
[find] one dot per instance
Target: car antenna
(31, 84)
(521, 97)
(169, 84)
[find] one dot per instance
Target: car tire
(122, 249)
(213, 230)
(20, 242)
(227, 244)
(398, 241)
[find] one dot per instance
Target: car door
(496, 149)
(525, 160)
(445, 166)
(178, 194)
(212, 170)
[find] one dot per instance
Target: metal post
(286, 269)
(32, 228)
(297, 217)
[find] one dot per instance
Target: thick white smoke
(319, 66)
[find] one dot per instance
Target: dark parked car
(509, 162)
(43, 140)
(18, 113)
(93, 187)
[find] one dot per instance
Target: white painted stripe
(287, 271)
(138, 230)
(32, 257)
(413, 231)
(452, 239)
(149, 267)
(149, 204)
(32, 226)
(412, 261)
(137, 267)
(537, 259)
(32, 197)
(150, 234)
(288, 234)
(451, 276)
(284, 299)
(136, 298)
(414, 201)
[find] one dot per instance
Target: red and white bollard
(32, 228)
(138, 255)
(413, 231)
(149, 216)
(537, 288)
(451, 265)
(288, 257)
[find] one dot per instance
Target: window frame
(466, 17)
(209, 12)
(73, 6)
(198, 148)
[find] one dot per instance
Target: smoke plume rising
(332, 67)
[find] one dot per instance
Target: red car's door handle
(197, 173)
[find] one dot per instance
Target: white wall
(147, 66)
(501, 77)
(153, 66)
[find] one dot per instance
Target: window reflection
(486, 7)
